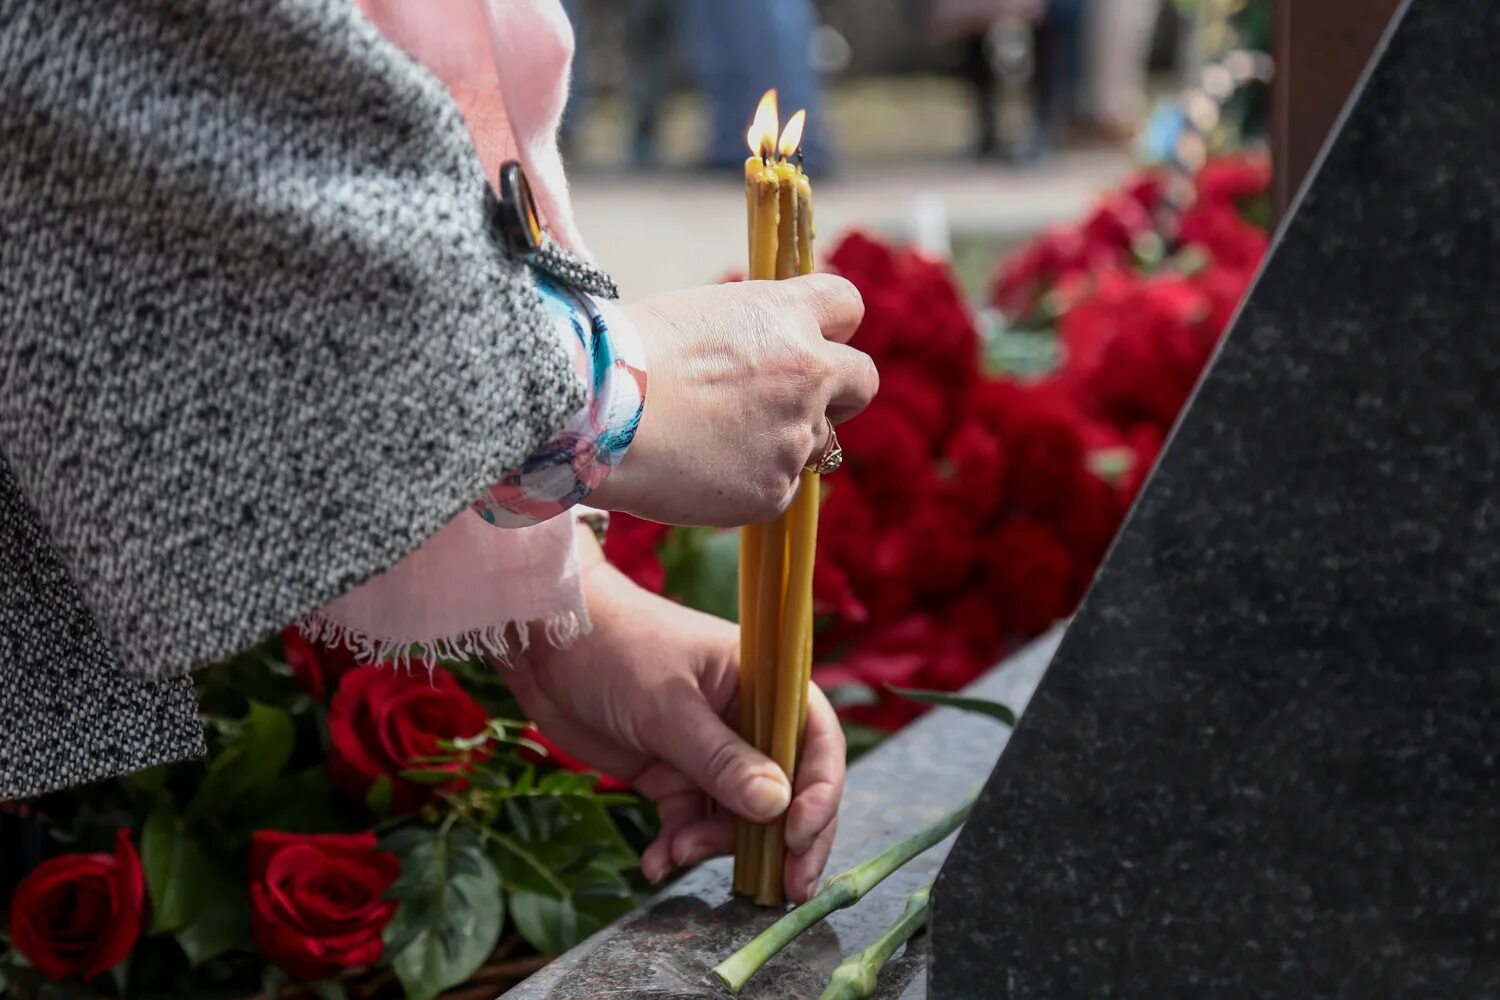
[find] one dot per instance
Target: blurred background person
(739, 50)
(1117, 38)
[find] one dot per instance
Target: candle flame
(762, 134)
(791, 136)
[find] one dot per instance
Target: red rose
(633, 546)
(556, 755)
(317, 901)
(316, 667)
(78, 915)
(1145, 190)
(385, 720)
(1031, 577)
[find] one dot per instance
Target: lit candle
(776, 560)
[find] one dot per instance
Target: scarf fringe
(494, 640)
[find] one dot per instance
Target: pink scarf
(472, 586)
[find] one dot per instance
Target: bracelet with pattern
(609, 359)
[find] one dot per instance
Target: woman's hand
(644, 696)
(742, 379)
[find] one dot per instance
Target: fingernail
(694, 854)
(811, 889)
(767, 798)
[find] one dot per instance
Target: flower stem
(839, 892)
(859, 974)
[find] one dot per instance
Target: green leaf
(252, 759)
(847, 695)
(152, 779)
(550, 923)
(378, 798)
(993, 709)
(175, 869)
(328, 989)
(860, 740)
(305, 801)
(452, 908)
(703, 569)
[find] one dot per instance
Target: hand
(644, 696)
(742, 377)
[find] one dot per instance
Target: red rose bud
(385, 720)
(558, 757)
(315, 667)
(317, 901)
(76, 916)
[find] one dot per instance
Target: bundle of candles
(776, 559)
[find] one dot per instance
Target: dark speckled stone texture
(1264, 761)
(665, 949)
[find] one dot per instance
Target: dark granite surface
(1264, 761)
(666, 948)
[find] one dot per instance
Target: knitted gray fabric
(257, 342)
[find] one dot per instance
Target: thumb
(731, 771)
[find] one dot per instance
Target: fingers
(804, 871)
(812, 819)
(737, 776)
(820, 775)
(708, 838)
(854, 382)
(835, 304)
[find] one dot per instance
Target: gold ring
(832, 457)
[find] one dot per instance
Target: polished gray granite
(1265, 761)
(666, 948)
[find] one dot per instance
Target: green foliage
(563, 864)
(993, 709)
(703, 566)
(254, 754)
(452, 909)
(196, 893)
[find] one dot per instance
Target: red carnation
(78, 915)
(1219, 229)
(943, 535)
(1031, 577)
(1087, 521)
(888, 457)
(317, 901)
(384, 721)
(977, 466)
(863, 260)
(1234, 178)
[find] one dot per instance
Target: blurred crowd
(1079, 68)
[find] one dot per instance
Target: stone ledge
(666, 947)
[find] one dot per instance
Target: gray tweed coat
(257, 341)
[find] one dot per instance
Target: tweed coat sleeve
(257, 342)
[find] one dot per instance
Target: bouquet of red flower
(976, 503)
(357, 830)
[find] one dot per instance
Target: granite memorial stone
(1266, 758)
